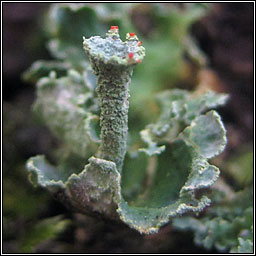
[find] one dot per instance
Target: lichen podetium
(113, 61)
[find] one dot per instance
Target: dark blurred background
(225, 35)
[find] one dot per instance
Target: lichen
(113, 61)
(179, 144)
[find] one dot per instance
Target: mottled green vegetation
(227, 226)
(43, 231)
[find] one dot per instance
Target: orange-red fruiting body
(138, 61)
(131, 55)
(139, 43)
(132, 34)
(114, 27)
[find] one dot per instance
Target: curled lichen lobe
(112, 50)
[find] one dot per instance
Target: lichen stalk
(113, 94)
(113, 61)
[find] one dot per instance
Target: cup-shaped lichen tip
(112, 50)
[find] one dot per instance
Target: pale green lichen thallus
(113, 61)
(180, 142)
